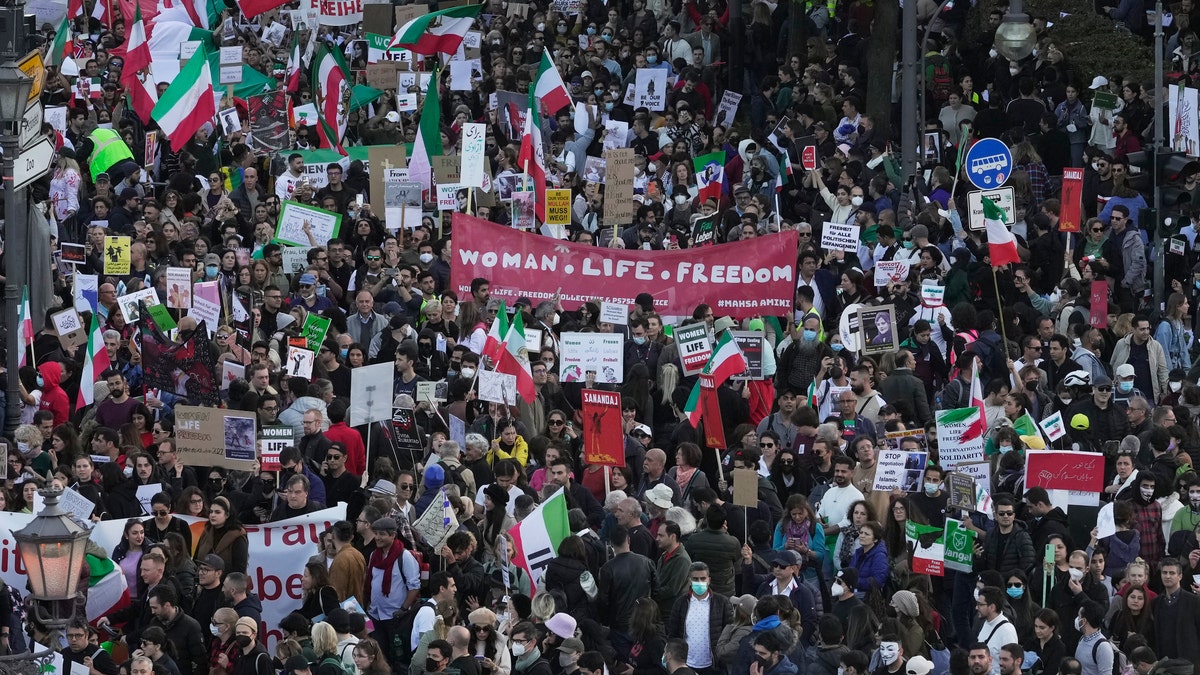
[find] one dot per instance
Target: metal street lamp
(1015, 37)
(14, 92)
(14, 98)
(52, 547)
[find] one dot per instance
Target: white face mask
(837, 589)
(1147, 493)
(518, 649)
(651, 168)
(856, 200)
(889, 652)
(680, 199)
(1175, 387)
(426, 258)
(1076, 575)
(1079, 624)
(976, 594)
(467, 373)
(554, 319)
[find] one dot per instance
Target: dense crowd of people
(661, 566)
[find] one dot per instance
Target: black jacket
(189, 640)
(1054, 522)
(719, 615)
(623, 580)
(562, 574)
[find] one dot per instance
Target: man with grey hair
(546, 314)
(629, 514)
(474, 459)
(448, 458)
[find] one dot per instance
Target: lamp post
(51, 547)
(14, 97)
(1015, 37)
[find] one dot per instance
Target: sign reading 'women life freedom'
(740, 280)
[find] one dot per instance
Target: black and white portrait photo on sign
(878, 325)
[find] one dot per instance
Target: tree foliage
(1092, 43)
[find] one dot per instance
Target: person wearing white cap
(1101, 135)
(919, 665)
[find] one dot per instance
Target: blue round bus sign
(988, 163)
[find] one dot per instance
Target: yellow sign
(558, 207)
(33, 66)
(116, 255)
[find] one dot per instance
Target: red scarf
(385, 562)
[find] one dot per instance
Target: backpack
(992, 357)
(337, 663)
(454, 475)
(941, 83)
(401, 651)
(1121, 664)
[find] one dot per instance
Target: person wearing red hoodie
(340, 432)
(54, 398)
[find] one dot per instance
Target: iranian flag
(294, 64)
(710, 174)
(438, 32)
(514, 360)
(536, 538)
(202, 14)
(785, 172)
(548, 85)
(531, 158)
(329, 82)
(188, 103)
(252, 8)
(24, 326)
(136, 76)
(63, 45)
(496, 334)
(1002, 247)
(505, 346)
(979, 429)
(726, 361)
(95, 361)
(429, 138)
(102, 12)
(74, 11)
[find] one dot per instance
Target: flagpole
(1000, 311)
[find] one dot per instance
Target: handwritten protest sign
(298, 221)
(1060, 470)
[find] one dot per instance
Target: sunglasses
(162, 513)
(1097, 229)
(556, 423)
(1104, 388)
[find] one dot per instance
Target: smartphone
(1049, 558)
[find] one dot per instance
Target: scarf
(847, 546)
(683, 477)
(386, 562)
(792, 530)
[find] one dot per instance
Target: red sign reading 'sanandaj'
(603, 437)
(740, 279)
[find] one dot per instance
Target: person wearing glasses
(163, 523)
(1007, 546)
(80, 650)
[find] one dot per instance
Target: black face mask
(431, 665)
(215, 483)
(242, 641)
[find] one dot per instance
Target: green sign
(314, 330)
(960, 546)
(162, 317)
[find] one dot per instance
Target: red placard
(740, 280)
(710, 413)
(603, 438)
(1099, 310)
(1082, 471)
(808, 158)
(1070, 214)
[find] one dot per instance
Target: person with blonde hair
(325, 645)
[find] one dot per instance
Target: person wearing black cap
(209, 595)
(296, 665)
(121, 219)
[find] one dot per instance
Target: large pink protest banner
(740, 279)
